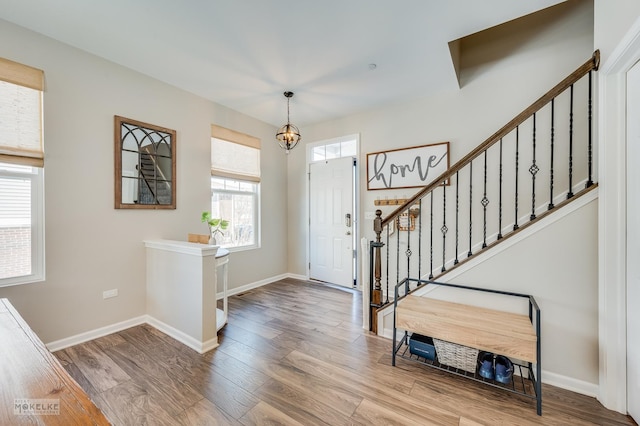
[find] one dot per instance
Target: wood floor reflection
(295, 353)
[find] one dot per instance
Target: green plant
(216, 225)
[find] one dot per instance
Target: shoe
(504, 369)
(485, 365)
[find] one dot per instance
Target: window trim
(341, 139)
(256, 208)
(233, 136)
(37, 230)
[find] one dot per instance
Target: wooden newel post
(376, 296)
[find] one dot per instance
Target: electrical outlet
(110, 293)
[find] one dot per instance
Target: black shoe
(485, 365)
(504, 369)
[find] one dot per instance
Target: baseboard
(297, 277)
(94, 334)
(165, 328)
(260, 283)
(196, 345)
(569, 383)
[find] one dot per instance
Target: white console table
(182, 289)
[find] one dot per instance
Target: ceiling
(244, 54)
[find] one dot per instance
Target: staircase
(153, 186)
(539, 162)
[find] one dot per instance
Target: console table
(31, 375)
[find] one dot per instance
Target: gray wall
(90, 246)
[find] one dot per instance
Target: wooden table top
(34, 383)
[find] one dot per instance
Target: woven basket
(458, 356)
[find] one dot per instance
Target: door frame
(633, 249)
(612, 220)
(356, 203)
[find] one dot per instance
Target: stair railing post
(376, 294)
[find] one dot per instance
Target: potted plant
(216, 226)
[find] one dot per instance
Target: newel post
(376, 294)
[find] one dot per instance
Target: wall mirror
(145, 165)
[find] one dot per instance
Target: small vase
(212, 240)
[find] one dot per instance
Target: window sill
(241, 248)
(27, 279)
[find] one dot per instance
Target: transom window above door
(346, 146)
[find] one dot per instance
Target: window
(21, 174)
(336, 148)
(235, 186)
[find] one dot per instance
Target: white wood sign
(407, 167)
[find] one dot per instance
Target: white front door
(331, 221)
(633, 242)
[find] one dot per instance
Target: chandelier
(288, 135)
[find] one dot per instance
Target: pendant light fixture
(288, 135)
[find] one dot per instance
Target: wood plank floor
(295, 353)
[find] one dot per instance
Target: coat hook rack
(391, 202)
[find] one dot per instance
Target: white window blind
(21, 114)
(15, 198)
(234, 155)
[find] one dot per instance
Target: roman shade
(21, 89)
(234, 155)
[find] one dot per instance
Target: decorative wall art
(407, 167)
(406, 222)
(145, 165)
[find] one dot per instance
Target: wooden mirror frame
(141, 133)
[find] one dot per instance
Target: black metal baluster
(397, 253)
(387, 246)
(570, 193)
(590, 180)
(552, 147)
(533, 170)
(470, 253)
(455, 262)
(444, 228)
(407, 252)
(431, 240)
(515, 223)
(419, 241)
(485, 203)
(500, 197)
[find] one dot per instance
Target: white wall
(612, 20)
(498, 91)
(559, 266)
(90, 246)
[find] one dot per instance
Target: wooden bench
(29, 372)
(516, 336)
(488, 330)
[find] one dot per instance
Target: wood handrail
(592, 64)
